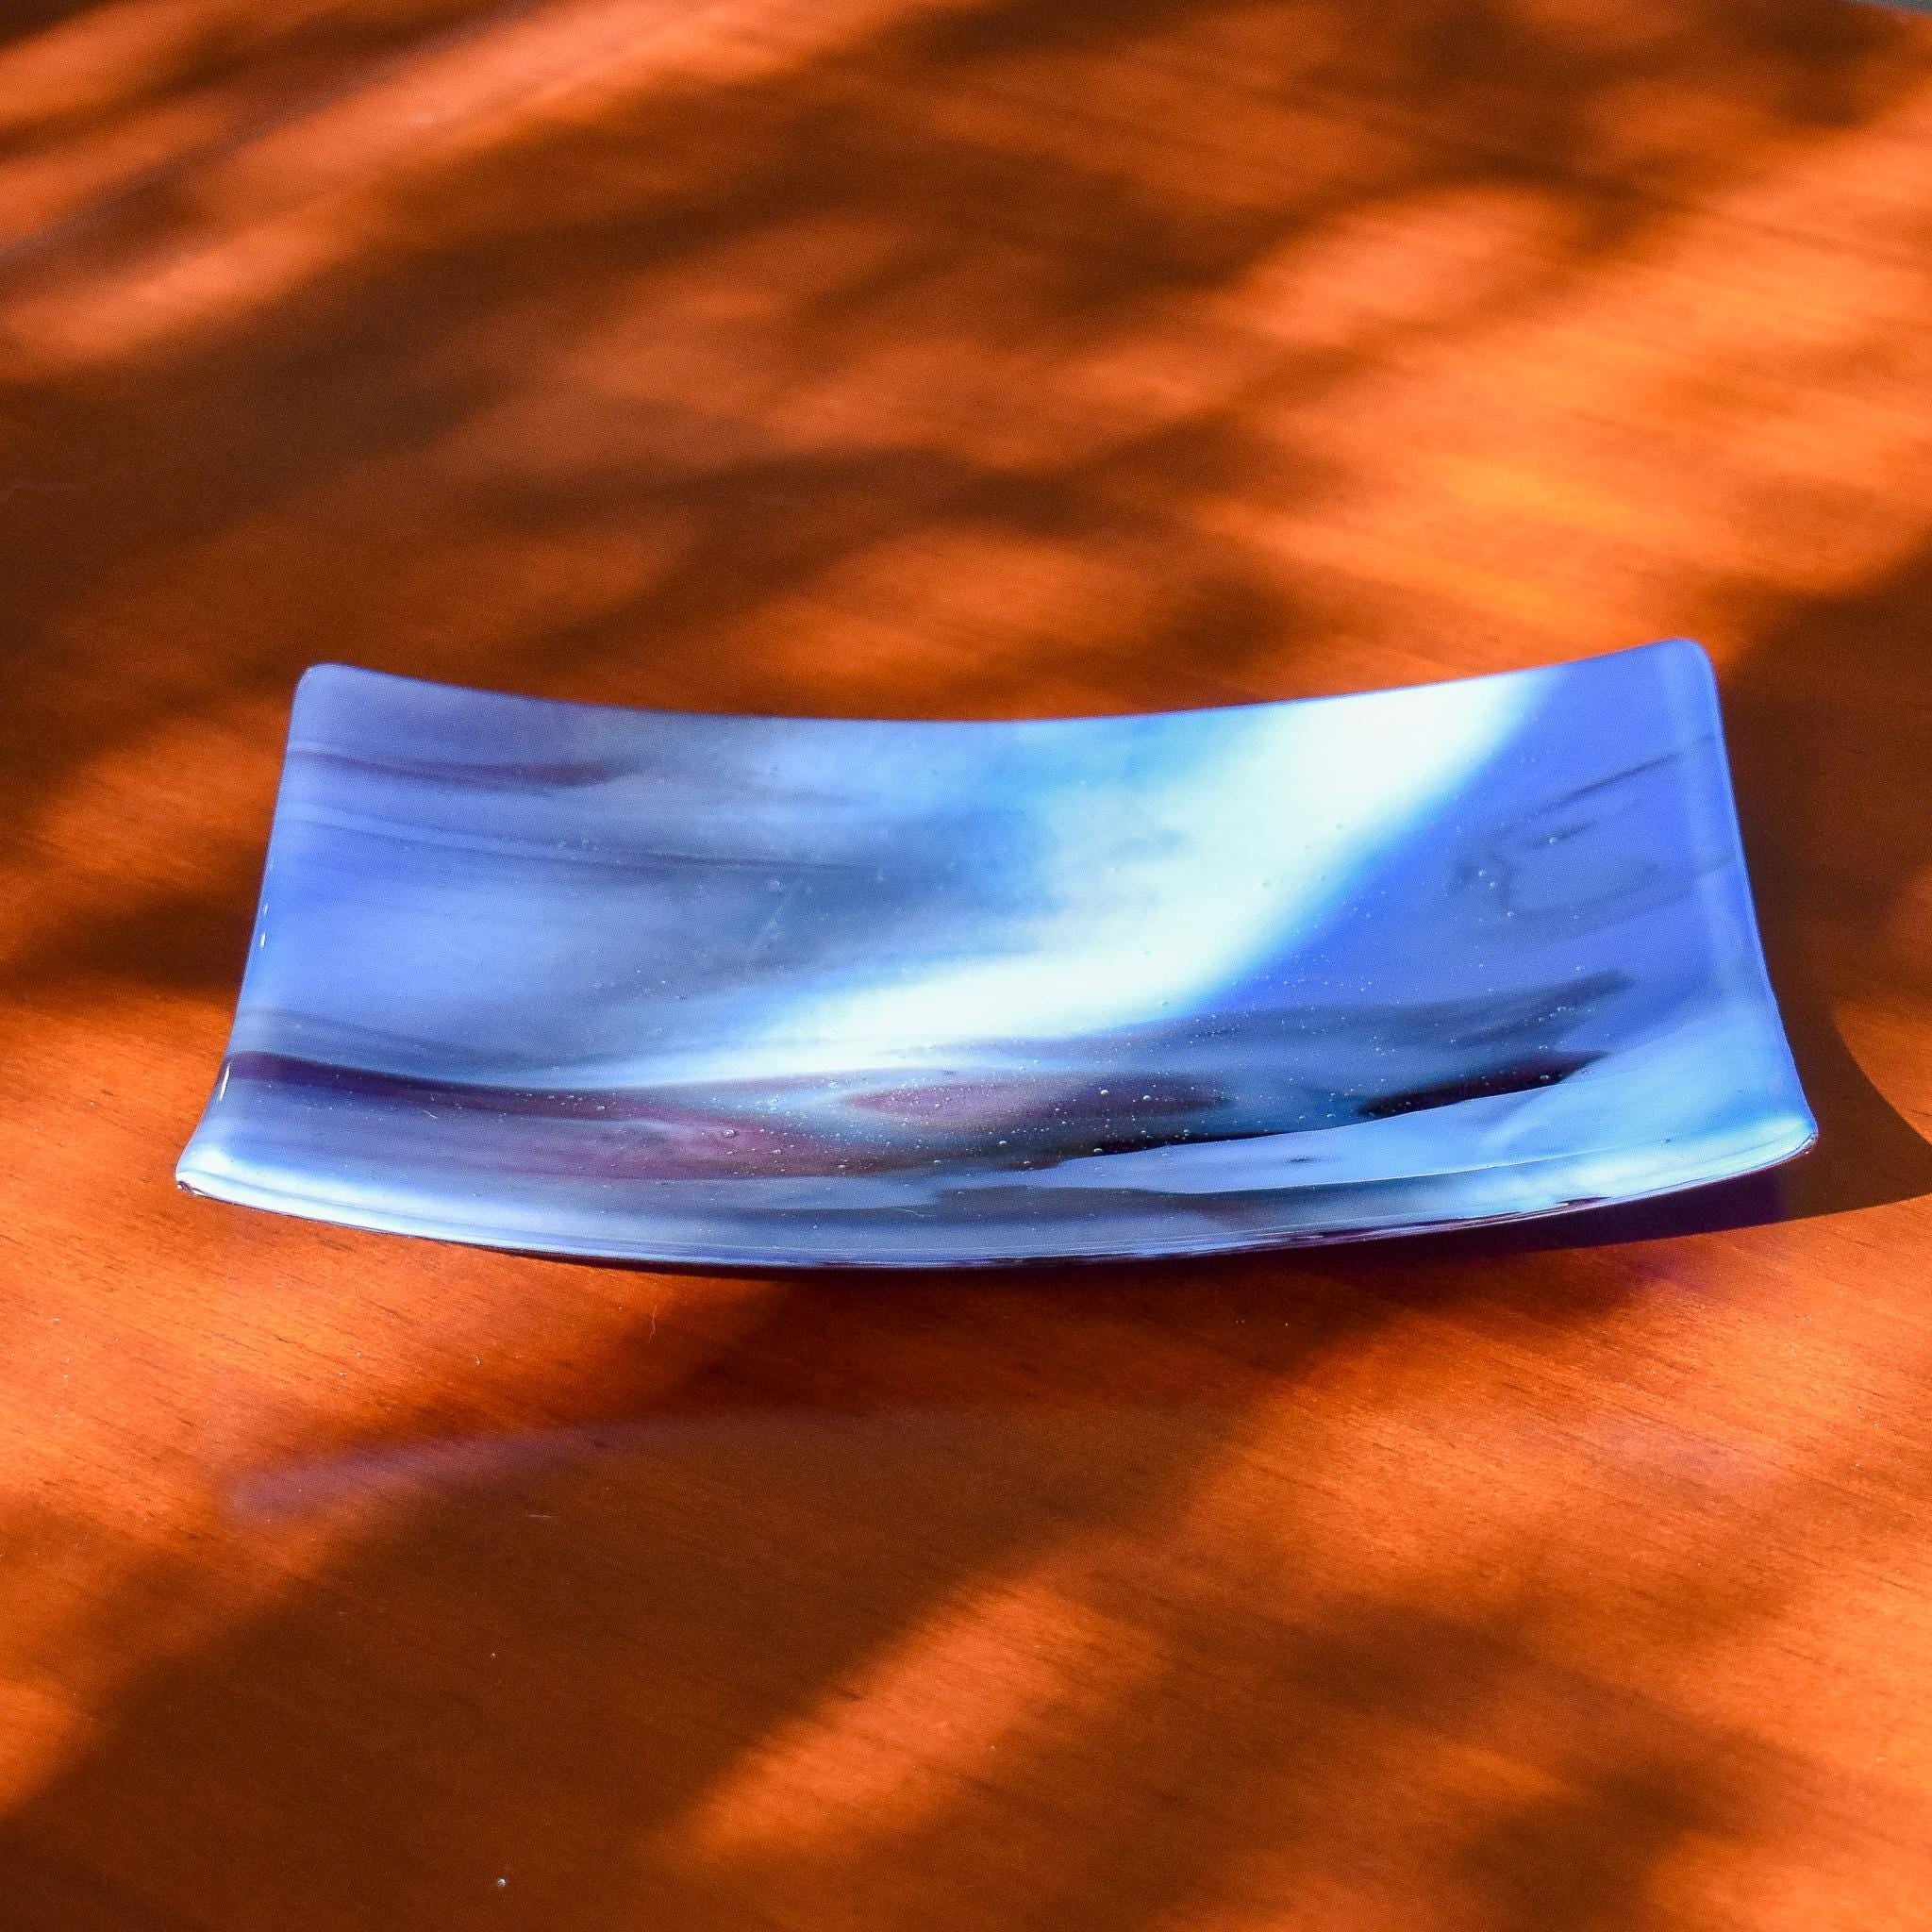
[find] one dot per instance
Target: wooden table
(992, 358)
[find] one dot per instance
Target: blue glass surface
(786, 992)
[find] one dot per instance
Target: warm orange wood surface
(968, 357)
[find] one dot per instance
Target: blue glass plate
(764, 992)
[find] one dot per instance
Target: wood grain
(981, 359)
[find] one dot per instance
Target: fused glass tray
(777, 991)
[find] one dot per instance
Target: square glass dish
(786, 991)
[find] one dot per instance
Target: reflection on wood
(987, 359)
